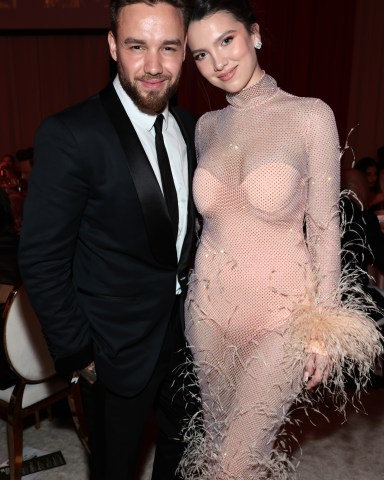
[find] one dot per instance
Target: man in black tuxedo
(107, 237)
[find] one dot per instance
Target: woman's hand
(316, 370)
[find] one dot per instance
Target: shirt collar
(137, 117)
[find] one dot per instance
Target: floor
(331, 450)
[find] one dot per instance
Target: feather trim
(347, 336)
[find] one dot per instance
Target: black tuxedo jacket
(97, 252)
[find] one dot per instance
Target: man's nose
(153, 64)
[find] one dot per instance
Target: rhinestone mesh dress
(267, 188)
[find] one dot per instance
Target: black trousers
(117, 423)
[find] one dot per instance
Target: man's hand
(316, 370)
(89, 373)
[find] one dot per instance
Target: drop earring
(258, 44)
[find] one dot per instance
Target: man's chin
(151, 102)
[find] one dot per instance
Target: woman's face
(371, 174)
(224, 51)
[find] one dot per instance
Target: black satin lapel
(157, 222)
(190, 237)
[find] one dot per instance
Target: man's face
(149, 49)
(6, 162)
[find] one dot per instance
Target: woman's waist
(254, 243)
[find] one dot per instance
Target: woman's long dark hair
(240, 9)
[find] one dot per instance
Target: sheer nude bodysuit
(268, 164)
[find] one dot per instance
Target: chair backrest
(24, 342)
(5, 290)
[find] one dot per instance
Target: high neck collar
(255, 94)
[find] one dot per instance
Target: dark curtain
(331, 49)
(307, 48)
(366, 95)
(41, 74)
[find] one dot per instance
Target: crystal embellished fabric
(267, 188)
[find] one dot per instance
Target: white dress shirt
(177, 153)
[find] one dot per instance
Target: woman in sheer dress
(263, 314)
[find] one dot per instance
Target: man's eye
(132, 46)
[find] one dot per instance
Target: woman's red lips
(227, 75)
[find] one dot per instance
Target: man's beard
(152, 102)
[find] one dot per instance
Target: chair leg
(37, 419)
(50, 416)
(15, 449)
(15, 432)
(75, 403)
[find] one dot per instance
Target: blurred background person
(9, 242)
(370, 168)
(380, 157)
(23, 164)
(11, 184)
(362, 239)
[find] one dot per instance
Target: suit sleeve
(58, 192)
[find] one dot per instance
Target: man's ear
(112, 45)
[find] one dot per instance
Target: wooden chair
(5, 290)
(37, 386)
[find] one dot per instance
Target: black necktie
(169, 189)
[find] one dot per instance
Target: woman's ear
(255, 35)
